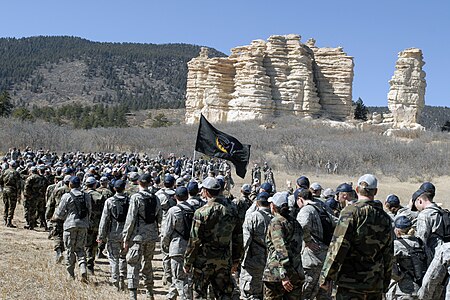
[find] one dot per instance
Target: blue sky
(373, 32)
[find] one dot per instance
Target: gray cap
(328, 192)
(103, 179)
(278, 199)
(90, 180)
(370, 180)
(246, 188)
(210, 183)
(67, 178)
(315, 186)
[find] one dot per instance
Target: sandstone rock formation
(406, 97)
(279, 77)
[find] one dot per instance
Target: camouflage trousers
(29, 206)
(311, 289)
(91, 248)
(276, 291)
(74, 241)
(346, 294)
(9, 201)
(251, 284)
(147, 252)
(167, 273)
(117, 261)
(220, 280)
(57, 235)
(180, 285)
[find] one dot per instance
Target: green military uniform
(32, 193)
(10, 182)
(284, 244)
(91, 246)
(52, 203)
(359, 259)
(215, 243)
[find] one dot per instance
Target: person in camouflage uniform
(254, 232)
(194, 199)
(10, 182)
(359, 258)
(410, 262)
(104, 188)
(174, 242)
(283, 274)
(32, 192)
(215, 244)
(435, 283)
(316, 246)
(97, 204)
(110, 232)
(141, 236)
(76, 223)
(40, 200)
(133, 185)
(58, 230)
(243, 203)
(167, 200)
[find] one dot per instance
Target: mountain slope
(60, 70)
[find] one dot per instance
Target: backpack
(327, 225)
(80, 205)
(417, 260)
(188, 216)
(120, 210)
(445, 214)
(150, 208)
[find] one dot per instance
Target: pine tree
(5, 104)
(361, 110)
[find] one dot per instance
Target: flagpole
(193, 166)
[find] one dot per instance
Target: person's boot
(83, 272)
(10, 224)
(133, 294)
(121, 284)
(58, 256)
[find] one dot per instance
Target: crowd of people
(303, 243)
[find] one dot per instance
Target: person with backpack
(167, 200)
(430, 223)
(318, 227)
(360, 255)
(410, 262)
(110, 232)
(436, 283)
(75, 209)
(254, 232)
(174, 241)
(140, 234)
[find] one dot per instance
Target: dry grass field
(27, 269)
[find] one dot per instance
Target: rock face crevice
(280, 76)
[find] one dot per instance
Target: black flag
(213, 142)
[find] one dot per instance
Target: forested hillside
(57, 71)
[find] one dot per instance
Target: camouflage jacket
(309, 219)
(362, 247)
(98, 201)
(135, 224)
(106, 192)
(132, 189)
(254, 232)
(436, 277)
(242, 204)
(10, 181)
(109, 228)
(284, 244)
(67, 210)
(215, 237)
(404, 264)
(34, 187)
(55, 199)
(430, 227)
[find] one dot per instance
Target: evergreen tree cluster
(84, 117)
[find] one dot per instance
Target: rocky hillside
(56, 71)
